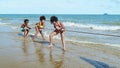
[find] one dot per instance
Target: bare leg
(42, 35)
(35, 36)
(51, 38)
(24, 33)
(36, 33)
(27, 31)
(63, 40)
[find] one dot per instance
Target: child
(59, 28)
(24, 27)
(39, 26)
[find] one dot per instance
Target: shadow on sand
(95, 63)
(20, 34)
(43, 42)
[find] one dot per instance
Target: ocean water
(103, 24)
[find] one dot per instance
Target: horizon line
(61, 14)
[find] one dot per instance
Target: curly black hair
(42, 18)
(26, 20)
(53, 19)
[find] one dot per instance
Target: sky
(59, 6)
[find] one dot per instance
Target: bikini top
(40, 25)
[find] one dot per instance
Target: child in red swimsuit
(59, 28)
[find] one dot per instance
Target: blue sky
(59, 6)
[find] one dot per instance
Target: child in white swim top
(24, 27)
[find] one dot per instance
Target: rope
(88, 33)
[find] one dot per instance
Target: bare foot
(50, 46)
(64, 48)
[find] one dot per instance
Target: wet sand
(17, 52)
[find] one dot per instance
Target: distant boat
(105, 14)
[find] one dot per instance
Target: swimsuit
(60, 26)
(23, 28)
(39, 25)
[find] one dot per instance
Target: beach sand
(17, 52)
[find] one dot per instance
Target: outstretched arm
(28, 27)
